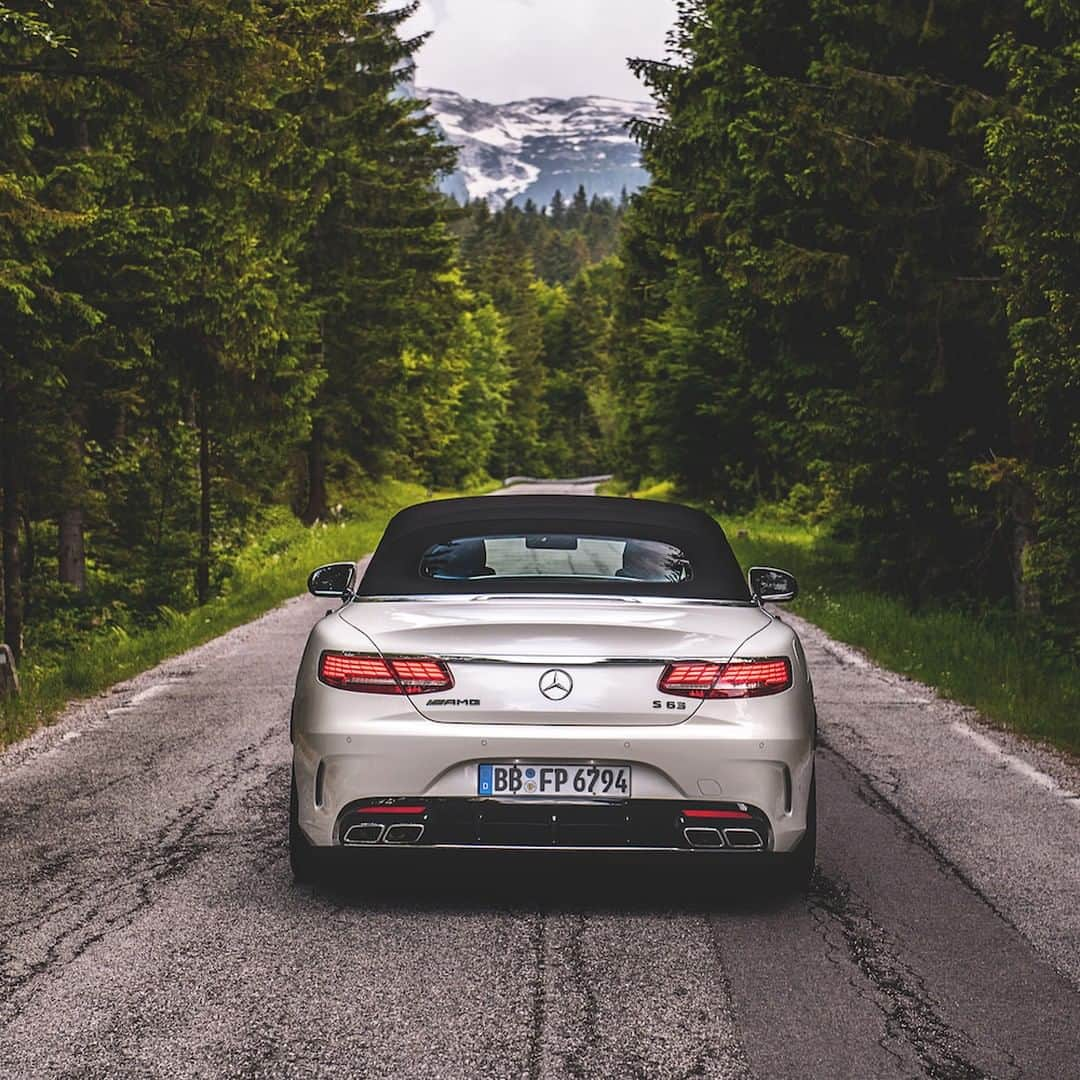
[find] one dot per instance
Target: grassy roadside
(987, 660)
(273, 568)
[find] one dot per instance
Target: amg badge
(459, 702)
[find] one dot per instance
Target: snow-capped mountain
(530, 149)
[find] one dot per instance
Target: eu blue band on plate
(485, 787)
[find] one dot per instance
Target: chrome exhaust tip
(744, 839)
(363, 834)
(403, 834)
(703, 837)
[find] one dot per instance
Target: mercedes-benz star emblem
(556, 685)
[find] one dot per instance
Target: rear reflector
(737, 679)
(732, 815)
(366, 811)
(376, 675)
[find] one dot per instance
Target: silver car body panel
(753, 750)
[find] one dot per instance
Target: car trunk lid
(555, 660)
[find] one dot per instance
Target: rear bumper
(763, 761)
(642, 825)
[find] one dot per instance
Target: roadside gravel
(1003, 812)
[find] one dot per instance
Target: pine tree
(39, 225)
(1032, 202)
(815, 296)
(376, 263)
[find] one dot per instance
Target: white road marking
(147, 694)
(137, 699)
(1018, 765)
(846, 656)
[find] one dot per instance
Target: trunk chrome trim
(458, 598)
(558, 661)
(563, 661)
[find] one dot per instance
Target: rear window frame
(539, 578)
(392, 570)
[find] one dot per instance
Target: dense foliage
(1031, 196)
(851, 285)
(216, 223)
(228, 283)
(552, 275)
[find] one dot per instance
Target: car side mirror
(772, 586)
(335, 580)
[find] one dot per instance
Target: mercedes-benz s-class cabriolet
(554, 673)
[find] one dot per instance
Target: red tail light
(376, 675)
(737, 679)
(422, 676)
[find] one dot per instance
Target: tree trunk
(13, 585)
(1023, 509)
(202, 571)
(72, 548)
(29, 556)
(317, 502)
(1024, 535)
(71, 493)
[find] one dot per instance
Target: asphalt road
(149, 925)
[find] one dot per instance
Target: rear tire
(795, 869)
(304, 859)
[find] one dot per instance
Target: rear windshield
(555, 555)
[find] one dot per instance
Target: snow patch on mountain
(531, 149)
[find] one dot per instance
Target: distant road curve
(578, 481)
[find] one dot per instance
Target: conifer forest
(230, 289)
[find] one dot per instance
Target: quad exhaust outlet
(703, 837)
(371, 833)
(736, 839)
(403, 834)
(744, 839)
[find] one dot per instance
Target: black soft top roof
(394, 569)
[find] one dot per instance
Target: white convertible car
(555, 673)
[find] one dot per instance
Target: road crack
(102, 899)
(911, 1015)
(535, 1055)
(870, 791)
(577, 1061)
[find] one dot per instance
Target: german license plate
(555, 781)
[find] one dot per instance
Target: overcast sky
(505, 50)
